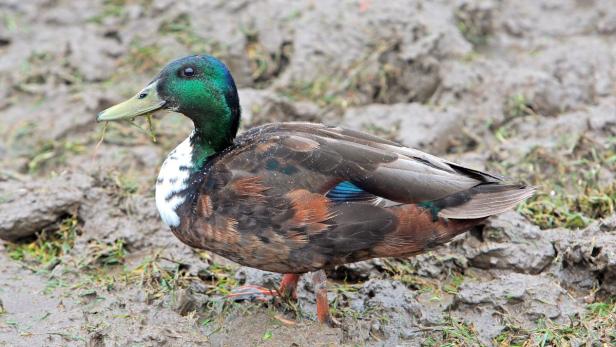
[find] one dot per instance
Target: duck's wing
(345, 163)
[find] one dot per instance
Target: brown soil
(522, 88)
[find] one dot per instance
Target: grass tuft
(158, 276)
(572, 189)
(50, 244)
(457, 333)
(594, 327)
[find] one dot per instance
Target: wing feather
(378, 166)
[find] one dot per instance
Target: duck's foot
(249, 292)
(319, 281)
(288, 288)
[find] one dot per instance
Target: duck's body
(300, 197)
(269, 200)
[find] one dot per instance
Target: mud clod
(27, 208)
(509, 242)
(515, 298)
(589, 256)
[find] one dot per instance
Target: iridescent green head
(198, 86)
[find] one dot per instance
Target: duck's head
(200, 87)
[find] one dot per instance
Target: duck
(300, 198)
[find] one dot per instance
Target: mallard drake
(295, 198)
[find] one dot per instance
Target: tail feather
(483, 200)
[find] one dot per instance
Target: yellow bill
(144, 102)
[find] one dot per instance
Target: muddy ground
(522, 88)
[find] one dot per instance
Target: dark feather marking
(427, 162)
(476, 174)
(174, 194)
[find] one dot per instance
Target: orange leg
(319, 280)
(288, 285)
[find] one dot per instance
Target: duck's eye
(188, 72)
(142, 95)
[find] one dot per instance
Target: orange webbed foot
(249, 292)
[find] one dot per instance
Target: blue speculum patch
(348, 191)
